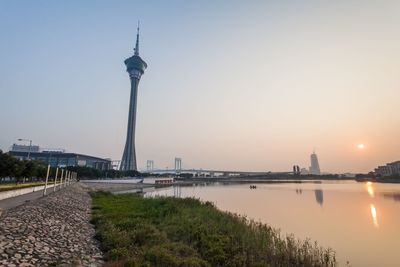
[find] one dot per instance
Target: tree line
(18, 170)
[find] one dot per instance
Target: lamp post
(30, 145)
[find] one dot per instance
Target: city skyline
(255, 86)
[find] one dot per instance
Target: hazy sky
(244, 85)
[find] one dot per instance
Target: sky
(230, 85)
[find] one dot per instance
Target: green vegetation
(7, 187)
(20, 169)
(138, 231)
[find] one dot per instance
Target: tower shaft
(129, 157)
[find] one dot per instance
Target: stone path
(53, 230)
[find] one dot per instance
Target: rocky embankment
(53, 230)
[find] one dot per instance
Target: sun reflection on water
(370, 189)
(374, 216)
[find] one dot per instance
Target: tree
(9, 166)
(18, 169)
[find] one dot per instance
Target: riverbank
(52, 230)
(134, 230)
(388, 180)
(111, 186)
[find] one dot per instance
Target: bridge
(211, 173)
(204, 172)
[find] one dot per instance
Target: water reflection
(374, 216)
(319, 196)
(393, 196)
(370, 189)
(177, 191)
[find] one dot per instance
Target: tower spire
(137, 40)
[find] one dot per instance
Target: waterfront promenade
(51, 230)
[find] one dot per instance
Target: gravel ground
(53, 230)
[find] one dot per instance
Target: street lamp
(30, 145)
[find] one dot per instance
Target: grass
(13, 186)
(137, 231)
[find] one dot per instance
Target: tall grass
(137, 231)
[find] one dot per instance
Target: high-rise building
(135, 66)
(314, 169)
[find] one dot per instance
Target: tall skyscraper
(135, 66)
(314, 169)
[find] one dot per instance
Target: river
(360, 221)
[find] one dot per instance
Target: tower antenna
(137, 40)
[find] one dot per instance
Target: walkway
(12, 202)
(51, 230)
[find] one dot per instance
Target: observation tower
(135, 66)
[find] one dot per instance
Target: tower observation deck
(135, 66)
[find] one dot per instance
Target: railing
(67, 176)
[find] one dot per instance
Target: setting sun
(360, 146)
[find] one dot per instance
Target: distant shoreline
(392, 180)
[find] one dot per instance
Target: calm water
(360, 221)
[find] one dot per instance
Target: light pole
(30, 145)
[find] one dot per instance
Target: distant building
(394, 168)
(382, 171)
(296, 170)
(314, 168)
(59, 158)
(24, 148)
(389, 169)
(304, 171)
(348, 175)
